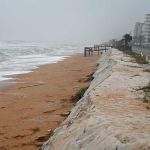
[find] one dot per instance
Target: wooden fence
(97, 48)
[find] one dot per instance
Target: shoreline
(34, 106)
(12, 79)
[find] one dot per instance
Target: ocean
(19, 57)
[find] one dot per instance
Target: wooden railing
(97, 48)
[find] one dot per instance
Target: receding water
(18, 57)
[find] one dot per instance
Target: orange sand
(32, 106)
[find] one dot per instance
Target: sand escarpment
(111, 115)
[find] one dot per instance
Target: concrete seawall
(111, 115)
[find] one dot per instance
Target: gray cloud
(69, 20)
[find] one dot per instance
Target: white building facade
(146, 31)
(142, 32)
(138, 33)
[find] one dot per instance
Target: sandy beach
(34, 106)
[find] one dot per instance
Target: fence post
(85, 51)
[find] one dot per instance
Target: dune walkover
(97, 48)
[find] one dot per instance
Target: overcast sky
(69, 20)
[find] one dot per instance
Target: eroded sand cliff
(111, 115)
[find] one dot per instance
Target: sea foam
(22, 57)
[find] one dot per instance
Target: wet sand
(32, 108)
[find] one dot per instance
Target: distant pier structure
(89, 51)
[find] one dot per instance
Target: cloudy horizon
(69, 20)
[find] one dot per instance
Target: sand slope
(111, 115)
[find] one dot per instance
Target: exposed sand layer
(33, 106)
(111, 115)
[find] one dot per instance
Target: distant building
(138, 33)
(146, 31)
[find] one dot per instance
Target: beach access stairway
(89, 51)
(111, 115)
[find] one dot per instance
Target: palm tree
(127, 38)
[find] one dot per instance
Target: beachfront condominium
(138, 33)
(146, 31)
(142, 32)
